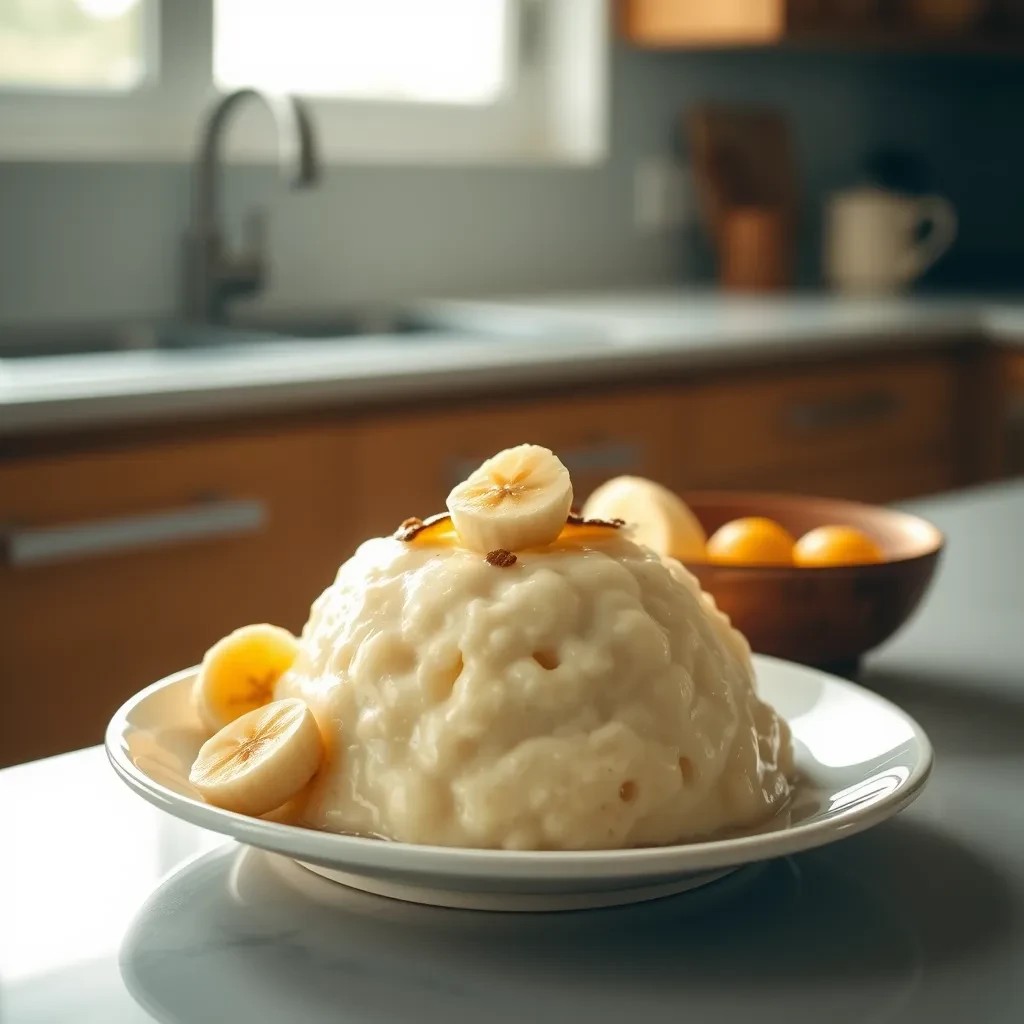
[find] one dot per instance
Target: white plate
(860, 760)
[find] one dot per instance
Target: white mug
(873, 242)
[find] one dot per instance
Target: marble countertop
(112, 912)
(482, 346)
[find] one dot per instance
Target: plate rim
(398, 858)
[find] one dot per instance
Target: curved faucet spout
(297, 156)
(212, 273)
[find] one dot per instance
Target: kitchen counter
(703, 317)
(116, 913)
(510, 344)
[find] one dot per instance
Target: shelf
(743, 24)
(697, 23)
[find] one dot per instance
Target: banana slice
(518, 499)
(260, 761)
(239, 673)
(660, 519)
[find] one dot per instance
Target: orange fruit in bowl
(753, 540)
(836, 545)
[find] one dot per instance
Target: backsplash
(102, 241)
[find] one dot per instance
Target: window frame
(556, 113)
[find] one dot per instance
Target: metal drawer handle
(45, 545)
(610, 459)
(867, 407)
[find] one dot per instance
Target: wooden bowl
(826, 616)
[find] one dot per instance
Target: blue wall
(88, 241)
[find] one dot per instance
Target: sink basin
(32, 343)
(35, 343)
(374, 323)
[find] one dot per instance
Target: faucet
(213, 274)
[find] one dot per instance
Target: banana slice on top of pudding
(508, 675)
(518, 499)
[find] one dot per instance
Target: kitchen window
(426, 81)
(72, 44)
(443, 51)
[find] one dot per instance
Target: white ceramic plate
(860, 760)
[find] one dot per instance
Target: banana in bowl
(511, 676)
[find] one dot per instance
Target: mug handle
(938, 215)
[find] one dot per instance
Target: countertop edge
(422, 371)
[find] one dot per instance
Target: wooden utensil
(741, 156)
(754, 251)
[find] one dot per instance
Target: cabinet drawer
(119, 567)
(1013, 372)
(902, 475)
(822, 417)
(777, 429)
(1012, 412)
(409, 462)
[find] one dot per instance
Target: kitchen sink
(367, 323)
(32, 343)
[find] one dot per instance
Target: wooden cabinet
(695, 23)
(874, 430)
(125, 561)
(219, 532)
(669, 23)
(1012, 367)
(877, 430)
(945, 24)
(410, 460)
